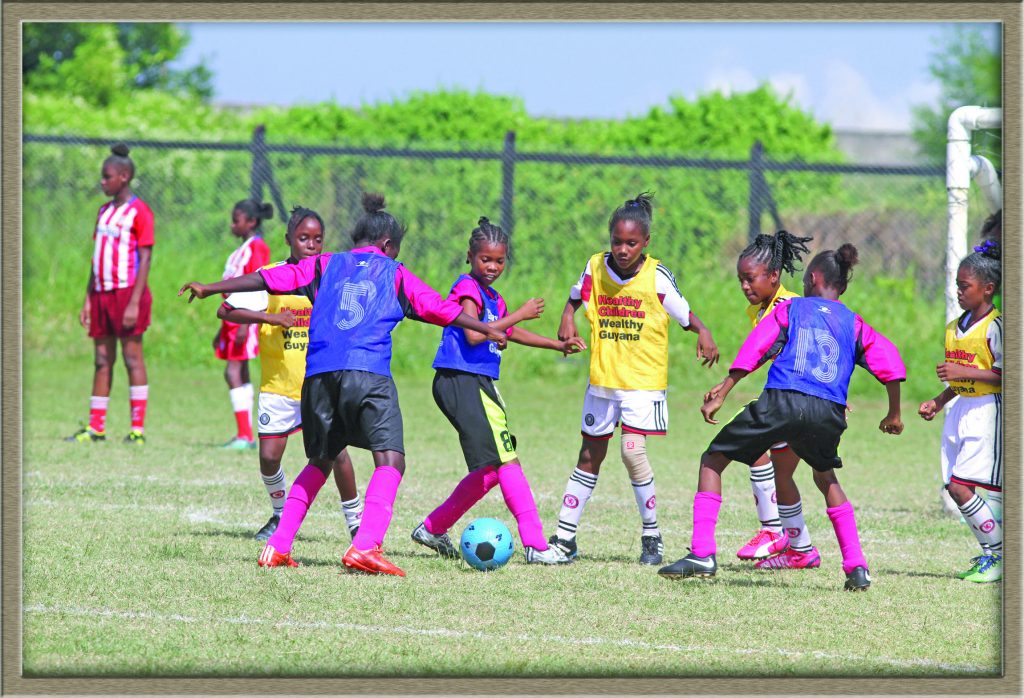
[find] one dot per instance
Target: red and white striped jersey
(250, 256)
(120, 231)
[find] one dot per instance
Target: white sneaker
(551, 556)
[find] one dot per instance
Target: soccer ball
(486, 544)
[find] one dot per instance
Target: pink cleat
(763, 544)
(791, 560)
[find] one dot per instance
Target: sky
(856, 76)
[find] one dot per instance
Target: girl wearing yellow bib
(629, 299)
(283, 334)
(972, 454)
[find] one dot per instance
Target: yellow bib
(628, 330)
(972, 350)
(756, 313)
(283, 351)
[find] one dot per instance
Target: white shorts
(277, 416)
(639, 411)
(972, 442)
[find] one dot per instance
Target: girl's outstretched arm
(715, 398)
(531, 339)
(242, 316)
(248, 282)
(930, 408)
(567, 326)
(468, 322)
(529, 310)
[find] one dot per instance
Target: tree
(969, 70)
(100, 61)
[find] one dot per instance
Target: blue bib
(355, 310)
(820, 353)
(456, 353)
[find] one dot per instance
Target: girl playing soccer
(629, 298)
(236, 342)
(117, 299)
(972, 454)
(815, 342)
(348, 395)
(783, 538)
(467, 366)
(284, 333)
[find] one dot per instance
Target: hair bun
(373, 202)
(266, 211)
(120, 149)
(484, 220)
(991, 249)
(846, 256)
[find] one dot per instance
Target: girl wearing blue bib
(467, 366)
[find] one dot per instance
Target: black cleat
(268, 528)
(857, 580)
(86, 435)
(568, 547)
(442, 544)
(652, 550)
(690, 566)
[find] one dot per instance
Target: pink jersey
(418, 301)
(873, 351)
(120, 231)
(250, 256)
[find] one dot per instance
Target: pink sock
(377, 507)
(468, 492)
(845, 526)
(705, 518)
(300, 497)
(519, 500)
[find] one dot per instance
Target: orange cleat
(370, 561)
(271, 558)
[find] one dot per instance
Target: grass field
(140, 562)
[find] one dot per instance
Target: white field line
(516, 639)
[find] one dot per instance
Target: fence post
(756, 181)
(258, 148)
(508, 175)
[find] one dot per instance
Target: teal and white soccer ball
(486, 544)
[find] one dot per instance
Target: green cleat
(239, 444)
(86, 435)
(135, 437)
(990, 569)
(975, 564)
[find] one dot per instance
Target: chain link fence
(555, 205)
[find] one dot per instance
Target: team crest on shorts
(589, 419)
(264, 419)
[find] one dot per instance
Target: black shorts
(811, 425)
(350, 408)
(474, 407)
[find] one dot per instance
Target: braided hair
(638, 210)
(299, 214)
(486, 232)
(836, 266)
(777, 252)
(376, 223)
(985, 263)
(119, 158)
(254, 210)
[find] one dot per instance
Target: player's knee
(634, 457)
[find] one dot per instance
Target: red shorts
(106, 311)
(227, 347)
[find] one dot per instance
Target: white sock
(276, 487)
(793, 521)
(646, 503)
(240, 399)
(353, 511)
(577, 491)
(995, 503)
(983, 525)
(762, 482)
